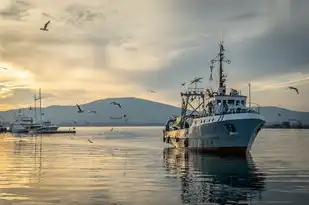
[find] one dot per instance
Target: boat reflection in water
(214, 179)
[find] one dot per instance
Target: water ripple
(131, 166)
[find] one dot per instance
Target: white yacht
(26, 124)
(23, 124)
(44, 125)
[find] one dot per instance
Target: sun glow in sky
(100, 49)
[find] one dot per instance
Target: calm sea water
(133, 166)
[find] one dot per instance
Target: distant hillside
(139, 112)
(271, 115)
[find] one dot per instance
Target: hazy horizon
(105, 49)
(119, 98)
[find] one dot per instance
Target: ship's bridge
(217, 104)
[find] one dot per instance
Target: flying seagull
(152, 91)
(90, 140)
(114, 103)
(79, 109)
(45, 26)
(293, 88)
(196, 80)
(92, 111)
(3, 68)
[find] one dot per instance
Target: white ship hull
(49, 128)
(232, 133)
(17, 128)
(45, 129)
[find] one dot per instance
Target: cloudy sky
(113, 48)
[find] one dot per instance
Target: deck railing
(232, 110)
(254, 106)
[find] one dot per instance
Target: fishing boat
(214, 120)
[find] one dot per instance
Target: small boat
(22, 124)
(26, 124)
(46, 126)
(3, 129)
(214, 120)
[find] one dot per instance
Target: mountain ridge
(139, 111)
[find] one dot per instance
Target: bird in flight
(92, 111)
(114, 103)
(152, 91)
(79, 109)
(293, 88)
(196, 80)
(3, 68)
(90, 140)
(45, 26)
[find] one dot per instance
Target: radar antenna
(221, 59)
(211, 68)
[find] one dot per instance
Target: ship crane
(193, 99)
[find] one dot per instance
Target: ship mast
(40, 98)
(221, 59)
(35, 99)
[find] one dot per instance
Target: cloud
(79, 14)
(278, 82)
(13, 96)
(280, 48)
(97, 49)
(14, 10)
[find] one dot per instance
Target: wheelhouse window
(231, 102)
(237, 102)
(218, 101)
(243, 102)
